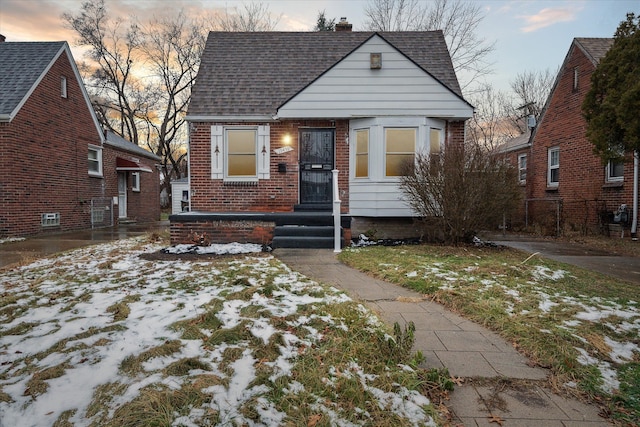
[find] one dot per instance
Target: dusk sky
(530, 35)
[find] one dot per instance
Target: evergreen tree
(612, 104)
(325, 24)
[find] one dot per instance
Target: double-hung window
(240, 153)
(400, 149)
(95, 161)
(362, 153)
(522, 168)
(553, 167)
(135, 181)
(615, 170)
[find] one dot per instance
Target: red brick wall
(223, 231)
(43, 158)
(44, 168)
(582, 187)
(277, 194)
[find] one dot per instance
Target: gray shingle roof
(122, 144)
(21, 65)
(254, 73)
(594, 48)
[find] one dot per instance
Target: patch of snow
(609, 375)
(215, 249)
(621, 352)
(544, 273)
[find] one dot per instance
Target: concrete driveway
(621, 267)
(39, 246)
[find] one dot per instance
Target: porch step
(315, 207)
(303, 236)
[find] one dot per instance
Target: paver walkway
(465, 348)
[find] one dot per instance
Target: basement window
(50, 219)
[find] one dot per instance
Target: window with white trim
(553, 167)
(400, 148)
(615, 170)
(63, 86)
(522, 168)
(435, 141)
(240, 153)
(362, 153)
(135, 181)
(95, 161)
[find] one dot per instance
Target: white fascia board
(255, 118)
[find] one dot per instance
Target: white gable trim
(352, 89)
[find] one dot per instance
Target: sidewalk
(465, 348)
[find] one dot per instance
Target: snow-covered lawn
(101, 336)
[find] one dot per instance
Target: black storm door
(316, 163)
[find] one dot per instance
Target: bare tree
(458, 21)
(492, 123)
(251, 17)
(531, 89)
(140, 76)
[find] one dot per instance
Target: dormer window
(63, 86)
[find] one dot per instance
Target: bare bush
(464, 190)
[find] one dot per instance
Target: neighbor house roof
(594, 48)
(253, 73)
(22, 66)
(119, 142)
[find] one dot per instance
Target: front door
(122, 194)
(316, 163)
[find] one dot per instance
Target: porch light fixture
(286, 139)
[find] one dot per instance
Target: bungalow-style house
(568, 186)
(272, 114)
(58, 170)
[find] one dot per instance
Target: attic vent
(375, 60)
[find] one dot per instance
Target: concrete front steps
(309, 229)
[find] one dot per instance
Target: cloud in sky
(547, 17)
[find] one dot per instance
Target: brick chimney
(343, 25)
(2, 38)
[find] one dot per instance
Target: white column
(336, 213)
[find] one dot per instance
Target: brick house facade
(50, 141)
(272, 114)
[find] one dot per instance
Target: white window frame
(135, 181)
(97, 160)
(51, 219)
(522, 171)
(219, 150)
(610, 170)
(553, 166)
(63, 86)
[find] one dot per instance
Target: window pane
(362, 153)
(554, 176)
(401, 140)
(395, 163)
(554, 157)
(616, 169)
(242, 165)
(435, 141)
(242, 141)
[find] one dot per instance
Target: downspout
(634, 223)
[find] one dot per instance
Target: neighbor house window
(95, 161)
(400, 148)
(522, 168)
(615, 170)
(553, 169)
(135, 181)
(362, 153)
(63, 87)
(241, 149)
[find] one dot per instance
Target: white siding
(378, 199)
(353, 89)
(177, 189)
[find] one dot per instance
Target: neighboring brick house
(568, 186)
(272, 114)
(516, 152)
(57, 172)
